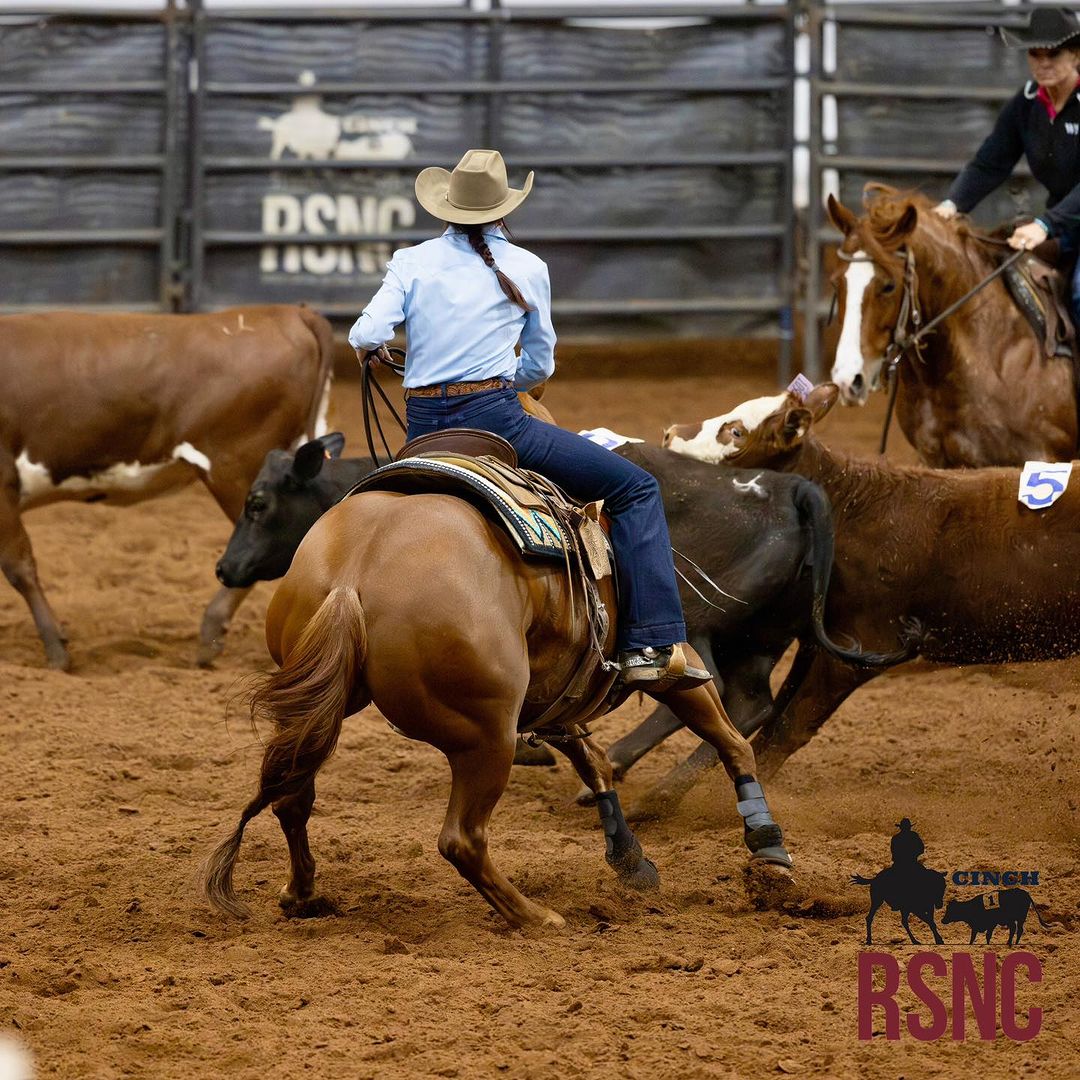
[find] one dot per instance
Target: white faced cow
(120, 407)
(954, 551)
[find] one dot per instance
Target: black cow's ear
(332, 443)
(307, 462)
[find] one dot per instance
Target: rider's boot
(655, 669)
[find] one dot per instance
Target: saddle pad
(535, 531)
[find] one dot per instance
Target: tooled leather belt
(456, 389)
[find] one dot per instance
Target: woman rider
(1042, 122)
(467, 298)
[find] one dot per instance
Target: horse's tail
(306, 700)
(858, 879)
(816, 514)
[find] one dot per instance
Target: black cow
(754, 550)
(983, 914)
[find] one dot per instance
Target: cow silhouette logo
(310, 133)
(906, 886)
(985, 913)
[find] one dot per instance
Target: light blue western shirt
(459, 324)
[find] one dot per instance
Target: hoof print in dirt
(318, 907)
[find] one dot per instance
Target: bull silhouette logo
(310, 133)
(906, 886)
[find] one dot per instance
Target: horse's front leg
(928, 918)
(904, 916)
(624, 854)
(702, 711)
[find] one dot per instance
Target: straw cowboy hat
(474, 193)
(1047, 28)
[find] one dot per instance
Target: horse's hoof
(643, 878)
(777, 855)
(524, 754)
(309, 907)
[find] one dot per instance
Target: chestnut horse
(420, 604)
(980, 390)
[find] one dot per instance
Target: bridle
(909, 331)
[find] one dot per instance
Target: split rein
(903, 342)
(369, 387)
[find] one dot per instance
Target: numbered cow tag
(607, 438)
(1042, 483)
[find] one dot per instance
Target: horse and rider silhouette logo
(913, 889)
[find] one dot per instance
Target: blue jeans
(649, 606)
(1068, 242)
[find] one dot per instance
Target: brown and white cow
(989, 580)
(121, 407)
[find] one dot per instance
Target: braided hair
(475, 233)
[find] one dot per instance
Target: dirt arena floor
(120, 776)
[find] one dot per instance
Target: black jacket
(1052, 148)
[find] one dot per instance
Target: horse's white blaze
(36, 482)
(704, 445)
(849, 358)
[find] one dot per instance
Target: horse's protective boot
(657, 670)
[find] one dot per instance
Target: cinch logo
(933, 979)
(309, 133)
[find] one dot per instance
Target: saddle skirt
(544, 523)
(1042, 293)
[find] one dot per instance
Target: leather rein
(369, 387)
(909, 330)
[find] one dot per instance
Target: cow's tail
(306, 701)
(816, 516)
(858, 879)
(1034, 908)
(323, 333)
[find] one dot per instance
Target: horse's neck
(977, 328)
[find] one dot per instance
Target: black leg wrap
(624, 854)
(763, 836)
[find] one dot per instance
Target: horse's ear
(840, 215)
(905, 223)
(821, 399)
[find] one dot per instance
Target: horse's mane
(886, 209)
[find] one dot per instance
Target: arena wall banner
(662, 154)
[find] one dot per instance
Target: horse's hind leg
(703, 713)
(297, 896)
(479, 779)
(624, 854)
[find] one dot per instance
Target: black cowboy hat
(1047, 28)
(904, 823)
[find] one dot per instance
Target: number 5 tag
(1042, 483)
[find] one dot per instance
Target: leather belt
(456, 389)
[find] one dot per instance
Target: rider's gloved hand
(946, 209)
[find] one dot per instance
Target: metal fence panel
(89, 168)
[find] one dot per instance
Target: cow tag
(607, 438)
(1042, 483)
